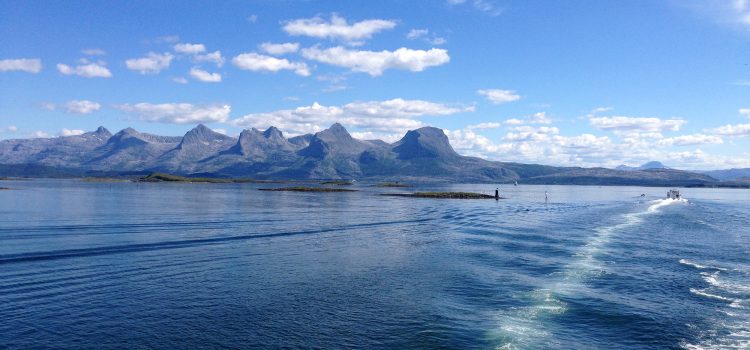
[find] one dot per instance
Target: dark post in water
(497, 194)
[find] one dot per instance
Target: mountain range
(423, 154)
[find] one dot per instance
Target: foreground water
(126, 265)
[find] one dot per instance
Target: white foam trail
(703, 293)
(664, 202)
(525, 326)
(700, 266)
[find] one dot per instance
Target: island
(442, 195)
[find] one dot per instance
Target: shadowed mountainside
(424, 154)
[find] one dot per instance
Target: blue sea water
(140, 265)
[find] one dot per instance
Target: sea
(123, 265)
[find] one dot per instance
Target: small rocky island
(448, 195)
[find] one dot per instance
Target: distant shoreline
(373, 182)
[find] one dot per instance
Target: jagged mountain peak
(426, 142)
(202, 135)
(103, 132)
(273, 133)
(335, 132)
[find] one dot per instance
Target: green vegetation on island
(338, 183)
(448, 195)
(162, 177)
(307, 189)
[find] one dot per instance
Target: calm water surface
(127, 265)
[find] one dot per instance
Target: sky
(573, 83)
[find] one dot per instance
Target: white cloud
(745, 112)
(212, 57)
(514, 121)
(262, 63)
(391, 116)
(691, 140)
(204, 76)
(485, 6)
(437, 41)
(180, 80)
(67, 132)
(9, 129)
(221, 131)
(252, 18)
(29, 65)
(337, 28)
(87, 70)
(417, 33)
(620, 123)
(151, 64)
(423, 34)
(732, 130)
(484, 126)
(39, 134)
(279, 49)
(528, 133)
(82, 107)
(188, 48)
(498, 96)
(94, 52)
(177, 113)
(376, 62)
(540, 118)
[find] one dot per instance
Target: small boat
(515, 183)
(674, 194)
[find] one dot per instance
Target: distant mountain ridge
(644, 166)
(424, 154)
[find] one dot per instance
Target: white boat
(674, 194)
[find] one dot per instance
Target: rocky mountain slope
(422, 154)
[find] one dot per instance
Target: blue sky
(591, 83)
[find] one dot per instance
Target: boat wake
(728, 288)
(528, 326)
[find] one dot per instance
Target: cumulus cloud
(177, 113)
(262, 63)
(188, 48)
(498, 96)
(68, 132)
(376, 62)
(337, 28)
(745, 112)
(732, 130)
(152, 63)
(691, 140)
(620, 123)
(279, 49)
(204, 76)
(391, 116)
(212, 57)
(82, 107)
(86, 70)
(180, 80)
(29, 65)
